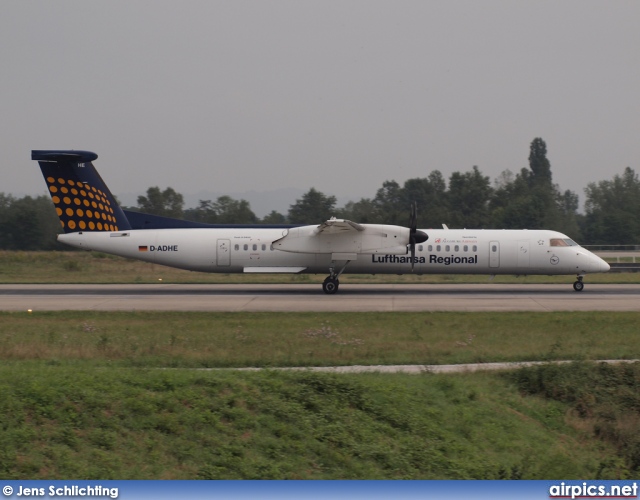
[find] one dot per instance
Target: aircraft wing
(336, 226)
(338, 236)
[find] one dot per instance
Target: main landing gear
(330, 285)
(578, 286)
(331, 282)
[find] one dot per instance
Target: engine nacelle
(371, 239)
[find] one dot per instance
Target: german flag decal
(143, 249)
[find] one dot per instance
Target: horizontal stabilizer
(60, 155)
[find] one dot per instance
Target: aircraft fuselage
(447, 251)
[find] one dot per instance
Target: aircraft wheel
(578, 286)
(330, 286)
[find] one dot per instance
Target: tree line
(525, 199)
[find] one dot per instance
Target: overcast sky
(236, 96)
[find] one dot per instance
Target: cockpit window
(562, 242)
(557, 242)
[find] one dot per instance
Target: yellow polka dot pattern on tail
(98, 213)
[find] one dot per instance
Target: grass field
(179, 339)
(114, 395)
(63, 422)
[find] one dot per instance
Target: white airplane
(92, 220)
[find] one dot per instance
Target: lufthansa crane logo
(554, 260)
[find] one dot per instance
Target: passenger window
(264, 247)
(447, 248)
(475, 248)
(420, 248)
(466, 248)
(430, 247)
(246, 247)
(494, 248)
(456, 248)
(438, 248)
(255, 247)
(236, 247)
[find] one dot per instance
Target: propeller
(415, 236)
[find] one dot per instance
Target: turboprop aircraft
(92, 220)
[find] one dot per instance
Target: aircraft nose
(599, 265)
(604, 267)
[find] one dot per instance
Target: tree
(388, 204)
(313, 208)
(225, 210)
(513, 204)
(362, 211)
(469, 195)
(274, 217)
(613, 210)
(28, 223)
(429, 194)
(568, 203)
(166, 203)
(230, 211)
(531, 200)
(539, 164)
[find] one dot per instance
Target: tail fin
(82, 199)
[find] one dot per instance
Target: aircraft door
(223, 253)
(494, 254)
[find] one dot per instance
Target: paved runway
(164, 297)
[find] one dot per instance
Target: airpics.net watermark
(586, 490)
(61, 491)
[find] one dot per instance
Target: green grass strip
(199, 339)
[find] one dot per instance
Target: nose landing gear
(578, 286)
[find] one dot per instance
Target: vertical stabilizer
(83, 201)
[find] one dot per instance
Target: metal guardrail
(623, 267)
(611, 248)
(617, 252)
(609, 255)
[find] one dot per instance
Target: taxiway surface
(351, 297)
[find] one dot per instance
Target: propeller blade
(415, 236)
(413, 224)
(413, 253)
(413, 217)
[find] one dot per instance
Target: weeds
(334, 337)
(604, 401)
(65, 421)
